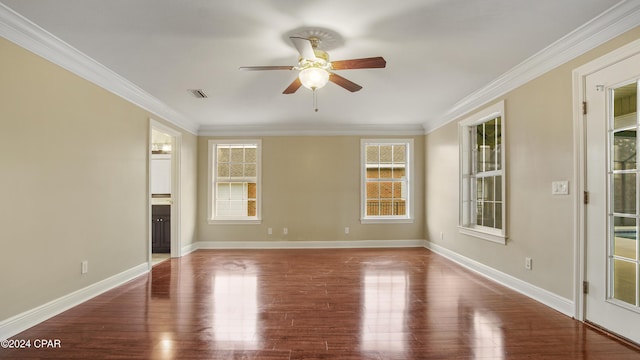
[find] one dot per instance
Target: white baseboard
(16, 324)
(338, 244)
(543, 296)
(187, 249)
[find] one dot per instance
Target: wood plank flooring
(315, 304)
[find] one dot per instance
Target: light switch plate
(560, 188)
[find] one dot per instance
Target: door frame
(580, 163)
(176, 148)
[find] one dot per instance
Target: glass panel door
(622, 244)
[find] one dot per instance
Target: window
(482, 175)
(234, 191)
(386, 180)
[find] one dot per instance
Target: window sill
(386, 221)
(234, 222)
(484, 235)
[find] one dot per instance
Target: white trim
(483, 234)
(189, 248)
(312, 130)
(579, 171)
(29, 318)
(386, 220)
(21, 31)
(615, 21)
(338, 244)
(543, 296)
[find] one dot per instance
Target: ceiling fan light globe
(313, 78)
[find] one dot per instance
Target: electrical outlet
(84, 268)
(285, 231)
(528, 263)
(269, 231)
(441, 235)
(346, 230)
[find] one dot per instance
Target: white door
(613, 212)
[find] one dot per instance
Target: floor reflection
(235, 308)
(385, 305)
(488, 340)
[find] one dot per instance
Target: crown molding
(615, 21)
(21, 31)
(313, 130)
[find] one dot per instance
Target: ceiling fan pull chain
(315, 100)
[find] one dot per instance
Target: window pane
(237, 155)
(498, 191)
(498, 217)
(386, 153)
(223, 171)
(250, 170)
(624, 150)
(223, 154)
(488, 215)
(386, 190)
(625, 106)
(497, 150)
(373, 190)
(398, 172)
(397, 190)
(385, 172)
(373, 172)
(489, 190)
(223, 192)
(480, 189)
(237, 170)
(624, 281)
(252, 191)
(251, 208)
(237, 191)
(373, 154)
(624, 193)
(399, 153)
(250, 154)
(625, 238)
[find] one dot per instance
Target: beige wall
(539, 145)
(311, 185)
(73, 182)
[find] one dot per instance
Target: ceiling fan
(316, 69)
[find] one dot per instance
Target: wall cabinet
(161, 228)
(161, 174)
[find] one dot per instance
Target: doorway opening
(164, 241)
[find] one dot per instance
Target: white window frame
(467, 218)
(408, 218)
(213, 159)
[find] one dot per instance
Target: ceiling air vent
(199, 93)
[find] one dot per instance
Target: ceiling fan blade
(366, 63)
(347, 84)
(295, 85)
(304, 47)
(253, 68)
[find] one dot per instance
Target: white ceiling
(438, 52)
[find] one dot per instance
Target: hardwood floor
(315, 304)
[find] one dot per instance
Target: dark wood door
(161, 229)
